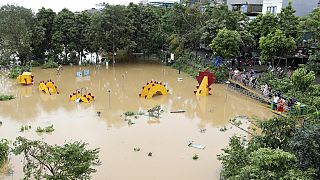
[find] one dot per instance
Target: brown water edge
(166, 138)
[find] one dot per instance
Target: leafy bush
(50, 64)
(129, 113)
(14, 72)
(306, 146)
(6, 97)
(4, 151)
(25, 128)
(302, 79)
(192, 65)
(35, 64)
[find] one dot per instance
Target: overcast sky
(57, 5)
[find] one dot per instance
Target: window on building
(272, 9)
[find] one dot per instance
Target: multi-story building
(250, 7)
(302, 7)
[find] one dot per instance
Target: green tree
(64, 36)
(16, 24)
(277, 132)
(44, 161)
(262, 26)
(227, 43)
(311, 24)
(96, 35)
(234, 157)
(182, 24)
(266, 163)
(302, 79)
(276, 44)
(313, 63)
(146, 37)
(43, 32)
(306, 146)
(219, 17)
(288, 22)
(82, 24)
(114, 23)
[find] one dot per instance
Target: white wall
(302, 7)
(268, 3)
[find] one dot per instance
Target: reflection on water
(167, 137)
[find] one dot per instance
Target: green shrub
(14, 72)
(4, 151)
(192, 65)
(6, 97)
(35, 64)
(47, 129)
(50, 64)
(129, 113)
(25, 128)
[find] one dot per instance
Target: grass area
(6, 97)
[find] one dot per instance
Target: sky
(57, 5)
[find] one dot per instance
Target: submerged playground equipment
(48, 87)
(152, 88)
(79, 96)
(83, 73)
(26, 78)
(205, 79)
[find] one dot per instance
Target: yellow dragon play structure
(48, 87)
(205, 79)
(153, 87)
(25, 78)
(78, 96)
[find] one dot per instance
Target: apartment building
(302, 7)
(250, 7)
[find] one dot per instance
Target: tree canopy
(44, 161)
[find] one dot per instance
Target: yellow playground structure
(152, 88)
(205, 79)
(48, 87)
(79, 96)
(25, 78)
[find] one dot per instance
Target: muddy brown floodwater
(166, 138)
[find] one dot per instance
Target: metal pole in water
(109, 91)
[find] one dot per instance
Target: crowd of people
(277, 100)
(247, 78)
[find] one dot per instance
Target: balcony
(248, 9)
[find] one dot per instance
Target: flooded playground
(116, 90)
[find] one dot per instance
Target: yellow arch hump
(145, 89)
(25, 78)
(53, 88)
(203, 89)
(73, 97)
(44, 88)
(84, 98)
(156, 89)
(91, 98)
